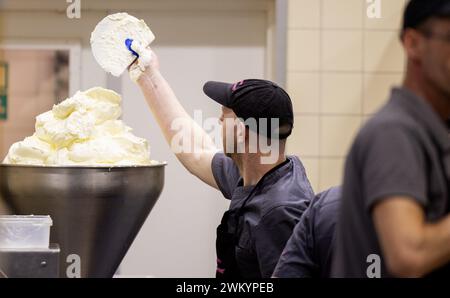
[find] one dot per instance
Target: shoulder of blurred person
(308, 252)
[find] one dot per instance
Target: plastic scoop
(128, 43)
(112, 38)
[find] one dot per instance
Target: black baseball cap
(257, 99)
(419, 11)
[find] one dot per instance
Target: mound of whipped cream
(82, 130)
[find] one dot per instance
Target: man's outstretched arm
(168, 111)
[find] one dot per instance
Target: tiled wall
(341, 65)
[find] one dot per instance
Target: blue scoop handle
(128, 43)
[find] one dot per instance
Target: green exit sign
(3, 91)
(3, 107)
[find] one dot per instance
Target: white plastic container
(25, 232)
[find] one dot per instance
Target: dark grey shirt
(308, 252)
(402, 151)
(270, 215)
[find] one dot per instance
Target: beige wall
(31, 91)
(340, 67)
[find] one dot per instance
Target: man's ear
(413, 43)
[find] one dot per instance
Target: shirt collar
(269, 178)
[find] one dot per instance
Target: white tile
(303, 89)
(305, 136)
(341, 93)
(342, 14)
(303, 14)
(303, 47)
(391, 15)
(383, 52)
(342, 50)
(337, 133)
(377, 89)
(331, 172)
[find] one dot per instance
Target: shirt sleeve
(273, 231)
(297, 259)
(393, 164)
(225, 173)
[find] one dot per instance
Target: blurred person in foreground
(309, 251)
(394, 217)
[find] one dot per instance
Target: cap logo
(236, 85)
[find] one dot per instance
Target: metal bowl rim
(158, 165)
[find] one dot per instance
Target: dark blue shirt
(269, 216)
(308, 252)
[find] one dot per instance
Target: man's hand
(147, 62)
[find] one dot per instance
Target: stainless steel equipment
(96, 211)
(30, 263)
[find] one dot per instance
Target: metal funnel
(96, 211)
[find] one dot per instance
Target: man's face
(435, 54)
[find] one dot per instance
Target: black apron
(227, 240)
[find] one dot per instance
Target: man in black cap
(268, 190)
(394, 217)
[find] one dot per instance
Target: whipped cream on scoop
(108, 41)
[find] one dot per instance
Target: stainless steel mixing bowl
(96, 211)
